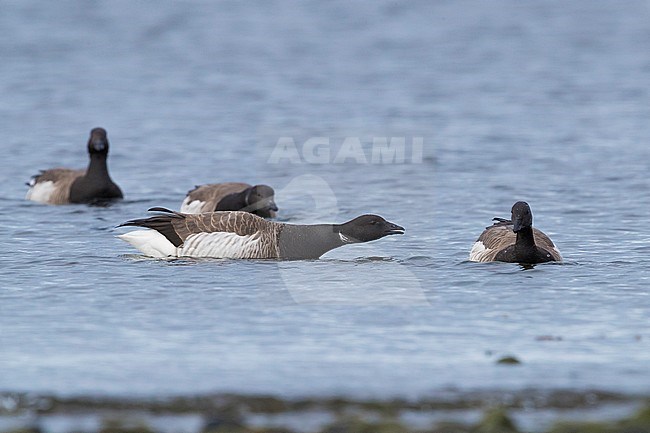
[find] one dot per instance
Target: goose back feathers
(231, 196)
(63, 186)
(514, 240)
(242, 235)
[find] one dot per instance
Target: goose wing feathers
(209, 195)
(53, 185)
(58, 175)
(215, 234)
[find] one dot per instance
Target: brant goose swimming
(515, 240)
(242, 235)
(214, 197)
(62, 185)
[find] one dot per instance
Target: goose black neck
(97, 168)
(308, 241)
(525, 238)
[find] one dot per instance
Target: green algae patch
(508, 360)
(583, 427)
(495, 421)
(122, 426)
(637, 423)
(358, 425)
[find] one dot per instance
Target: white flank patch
(478, 252)
(220, 245)
(40, 191)
(195, 206)
(150, 243)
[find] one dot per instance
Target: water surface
(544, 102)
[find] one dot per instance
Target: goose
(212, 197)
(242, 235)
(515, 240)
(64, 186)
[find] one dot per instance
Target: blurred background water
(546, 102)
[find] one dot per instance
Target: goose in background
(514, 240)
(92, 185)
(231, 196)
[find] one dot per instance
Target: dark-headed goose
(242, 235)
(63, 185)
(258, 199)
(515, 240)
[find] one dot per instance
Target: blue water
(545, 102)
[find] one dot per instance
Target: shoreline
(524, 410)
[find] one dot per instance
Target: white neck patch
(345, 239)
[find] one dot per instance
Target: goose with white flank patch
(242, 235)
(212, 197)
(515, 240)
(64, 186)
